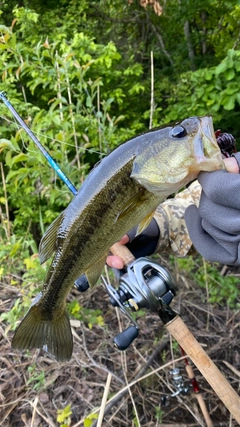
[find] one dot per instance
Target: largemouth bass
(121, 192)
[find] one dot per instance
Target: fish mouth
(205, 144)
(207, 153)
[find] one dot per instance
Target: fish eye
(178, 132)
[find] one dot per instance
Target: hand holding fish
(214, 227)
(192, 216)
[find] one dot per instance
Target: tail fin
(55, 336)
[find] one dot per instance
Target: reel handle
(123, 252)
(123, 340)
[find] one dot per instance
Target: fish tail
(54, 336)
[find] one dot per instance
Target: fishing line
(18, 128)
(38, 134)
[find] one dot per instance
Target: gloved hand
(214, 227)
(146, 242)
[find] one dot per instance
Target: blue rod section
(50, 160)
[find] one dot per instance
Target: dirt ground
(34, 387)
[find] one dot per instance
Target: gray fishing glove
(214, 227)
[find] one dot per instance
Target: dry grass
(33, 387)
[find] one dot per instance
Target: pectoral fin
(131, 204)
(95, 271)
(144, 223)
(48, 242)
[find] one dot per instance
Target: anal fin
(94, 272)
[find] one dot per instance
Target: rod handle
(123, 252)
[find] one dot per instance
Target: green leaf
(89, 420)
(89, 101)
(136, 88)
(19, 158)
(6, 143)
(230, 74)
(64, 414)
(208, 75)
(237, 65)
(3, 46)
(221, 68)
(15, 248)
(238, 97)
(20, 173)
(5, 29)
(228, 102)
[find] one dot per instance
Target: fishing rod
(148, 285)
(49, 158)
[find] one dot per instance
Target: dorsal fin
(48, 242)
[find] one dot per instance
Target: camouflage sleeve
(170, 219)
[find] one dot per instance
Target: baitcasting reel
(144, 285)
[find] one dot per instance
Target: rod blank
(50, 160)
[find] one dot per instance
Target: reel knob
(123, 340)
(81, 284)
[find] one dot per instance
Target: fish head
(174, 155)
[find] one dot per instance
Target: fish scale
(122, 191)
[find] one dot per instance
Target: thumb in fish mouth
(232, 165)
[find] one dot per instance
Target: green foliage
(175, 347)
(221, 289)
(90, 316)
(13, 315)
(135, 420)
(74, 84)
(16, 258)
(136, 314)
(89, 420)
(21, 270)
(209, 90)
(159, 414)
(36, 379)
(64, 416)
